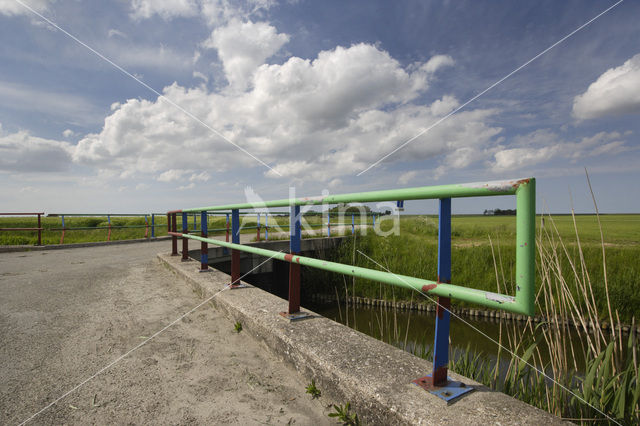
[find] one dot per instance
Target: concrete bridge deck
(65, 314)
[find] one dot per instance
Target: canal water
(414, 330)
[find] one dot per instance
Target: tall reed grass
(573, 294)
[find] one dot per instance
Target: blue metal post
(295, 236)
(109, 223)
(353, 225)
(204, 247)
(437, 382)
(374, 220)
(185, 241)
(441, 342)
(295, 230)
(235, 254)
(329, 225)
(195, 224)
(266, 226)
(153, 225)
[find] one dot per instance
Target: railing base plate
(451, 391)
(295, 317)
(239, 285)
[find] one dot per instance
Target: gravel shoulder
(66, 314)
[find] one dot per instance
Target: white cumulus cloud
(23, 152)
(172, 175)
(166, 9)
(243, 46)
(407, 177)
(214, 12)
(544, 145)
(319, 119)
(615, 92)
(11, 7)
(116, 33)
(437, 62)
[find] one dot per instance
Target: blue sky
(319, 91)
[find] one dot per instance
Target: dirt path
(65, 314)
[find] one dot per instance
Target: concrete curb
(8, 249)
(350, 366)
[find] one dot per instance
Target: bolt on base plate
(296, 316)
(450, 391)
(238, 285)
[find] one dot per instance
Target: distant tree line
(347, 209)
(500, 212)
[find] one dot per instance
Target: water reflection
(414, 331)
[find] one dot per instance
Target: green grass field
(617, 229)
(414, 253)
(96, 228)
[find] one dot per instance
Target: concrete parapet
(350, 366)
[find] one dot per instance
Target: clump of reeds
(545, 366)
(547, 375)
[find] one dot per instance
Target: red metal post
(225, 250)
(294, 268)
(174, 238)
(258, 228)
(226, 238)
(185, 241)
(294, 288)
(235, 267)
(39, 231)
(204, 247)
(63, 229)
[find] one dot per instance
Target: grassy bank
(477, 241)
(575, 281)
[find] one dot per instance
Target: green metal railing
(438, 382)
(523, 189)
